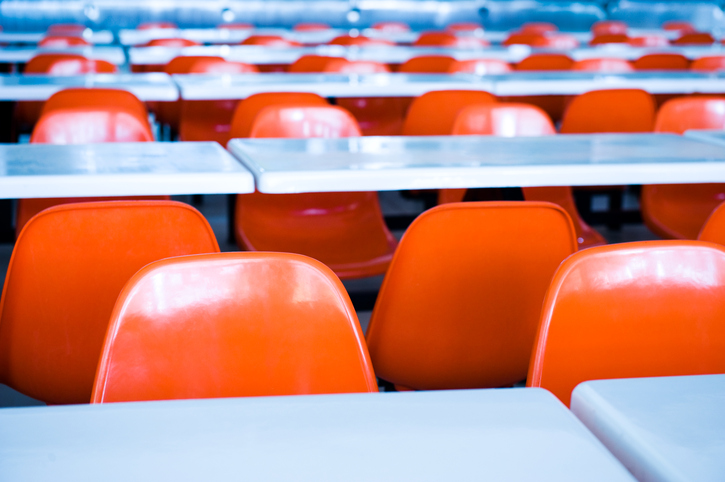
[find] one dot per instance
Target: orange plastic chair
(608, 27)
(76, 29)
(202, 120)
(310, 27)
(464, 27)
(270, 41)
(695, 38)
(609, 38)
(62, 41)
(433, 113)
(310, 63)
(447, 39)
(427, 64)
(680, 210)
(545, 62)
(523, 120)
(538, 27)
(712, 63)
(79, 256)
(648, 41)
(344, 66)
(561, 41)
(480, 67)
(616, 110)
(248, 109)
(629, 310)
(553, 105)
(172, 42)
(236, 26)
(360, 41)
(156, 25)
(243, 329)
(460, 304)
(661, 62)
(602, 65)
(714, 229)
(678, 25)
(344, 230)
(391, 27)
(521, 38)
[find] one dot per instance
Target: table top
(147, 86)
(209, 87)
(503, 435)
(119, 169)
(393, 163)
(661, 429)
(98, 37)
(115, 55)
(707, 135)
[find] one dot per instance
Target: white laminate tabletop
(98, 37)
(114, 55)
(209, 87)
(147, 86)
(119, 169)
(503, 435)
(130, 37)
(393, 163)
(661, 429)
(707, 135)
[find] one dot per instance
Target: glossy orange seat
(602, 65)
(391, 27)
(310, 63)
(61, 41)
(156, 25)
(679, 26)
(695, 38)
(648, 41)
(609, 38)
(680, 210)
(236, 26)
(310, 27)
(520, 38)
(553, 105)
(360, 41)
(248, 108)
(522, 120)
(616, 110)
(433, 113)
(427, 64)
(460, 303)
(172, 42)
(538, 27)
(243, 327)
(67, 269)
(545, 62)
(344, 230)
(344, 66)
(632, 310)
(464, 27)
(711, 63)
(608, 27)
(661, 62)
(446, 39)
(270, 41)
(714, 229)
(480, 67)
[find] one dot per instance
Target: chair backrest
(67, 64)
(156, 25)
(304, 121)
(433, 113)
(632, 310)
(232, 325)
(172, 42)
(617, 110)
(608, 27)
(427, 64)
(344, 66)
(714, 229)
(538, 27)
(248, 109)
(310, 27)
(270, 41)
(602, 65)
(360, 41)
(61, 41)
(520, 38)
(391, 27)
(464, 27)
(310, 63)
(212, 65)
(41, 63)
(609, 38)
(84, 116)
(76, 29)
(480, 67)
(679, 26)
(545, 62)
(681, 114)
(695, 38)
(236, 26)
(662, 62)
(648, 41)
(79, 256)
(504, 120)
(467, 316)
(447, 39)
(183, 63)
(714, 62)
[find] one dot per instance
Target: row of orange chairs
(251, 324)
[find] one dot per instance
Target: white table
(16, 55)
(396, 163)
(130, 37)
(707, 135)
(661, 429)
(147, 86)
(210, 87)
(99, 37)
(503, 435)
(119, 169)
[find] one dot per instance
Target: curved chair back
(714, 229)
(427, 64)
(433, 113)
(248, 109)
(156, 25)
(632, 310)
(232, 325)
(616, 110)
(466, 317)
(360, 41)
(714, 62)
(76, 29)
(538, 27)
(391, 27)
(702, 112)
(172, 42)
(648, 41)
(662, 62)
(310, 27)
(310, 63)
(545, 62)
(480, 67)
(679, 26)
(67, 64)
(609, 38)
(344, 66)
(450, 40)
(603, 65)
(608, 27)
(79, 256)
(63, 41)
(270, 41)
(304, 121)
(695, 38)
